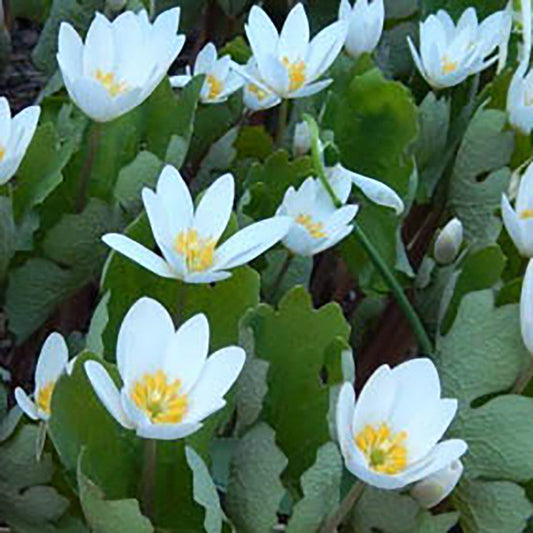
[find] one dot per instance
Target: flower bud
(301, 143)
(433, 489)
(449, 242)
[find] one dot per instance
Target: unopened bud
(433, 489)
(449, 242)
(301, 144)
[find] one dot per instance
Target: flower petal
(168, 431)
(26, 404)
(261, 32)
(512, 224)
(526, 308)
(52, 360)
(294, 37)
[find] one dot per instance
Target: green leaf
(99, 320)
(7, 235)
(27, 502)
(143, 171)
(238, 49)
(255, 142)
(109, 516)
(455, 8)
(482, 357)
(321, 486)
(296, 405)
(254, 489)
(268, 182)
(480, 175)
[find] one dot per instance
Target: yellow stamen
(215, 86)
(198, 252)
(44, 397)
(2, 152)
(261, 95)
(296, 73)
(385, 452)
(448, 66)
(159, 398)
(109, 81)
(315, 229)
(526, 213)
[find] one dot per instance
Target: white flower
(288, 64)
(450, 53)
(121, 62)
(188, 238)
(301, 142)
(169, 385)
(52, 362)
(435, 488)
(316, 223)
(257, 95)
(519, 221)
(365, 24)
(526, 308)
(15, 136)
(390, 437)
(221, 81)
(373, 189)
(449, 242)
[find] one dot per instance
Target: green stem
(523, 379)
(148, 478)
(94, 138)
(372, 252)
(336, 519)
(283, 114)
(281, 275)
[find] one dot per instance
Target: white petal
(164, 236)
(524, 199)
(179, 82)
(261, 32)
(312, 88)
(214, 210)
(52, 360)
(107, 392)
(294, 37)
(512, 224)
(5, 122)
(206, 59)
(99, 50)
(218, 375)
(344, 414)
(207, 277)
(168, 431)
(187, 351)
(26, 404)
(275, 74)
(526, 308)
(143, 338)
(325, 48)
(70, 51)
(140, 254)
(23, 127)
(378, 192)
(250, 242)
(435, 488)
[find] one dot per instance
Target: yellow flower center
(259, 93)
(44, 397)
(113, 86)
(448, 66)
(215, 86)
(159, 398)
(315, 229)
(385, 452)
(2, 152)
(526, 214)
(198, 252)
(296, 73)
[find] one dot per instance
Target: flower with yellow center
(450, 53)
(256, 94)
(519, 221)
(290, 64)
(16, 134)
(316, 223)
(188, 238)
(120, 63)
(390, 437)
(169, 384)
(221, 80)
(52, 363)
(526, 308)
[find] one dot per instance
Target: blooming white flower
(188, 238)
(257, 95)
(169, 385)
(519, 221)
(288, 64)
(449, 242)
(15, 136)
(221, 80)
(438, 486)
(52, 362)
(121, 62)
(450, 53)
(526, 308)
(390, 437)
(365, 24)
(316, 223)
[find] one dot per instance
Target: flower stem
(148, 478)
(336, 519)
(374, 255)
(94, 137)
(281, 275)
(283, 114)
(523, 379)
